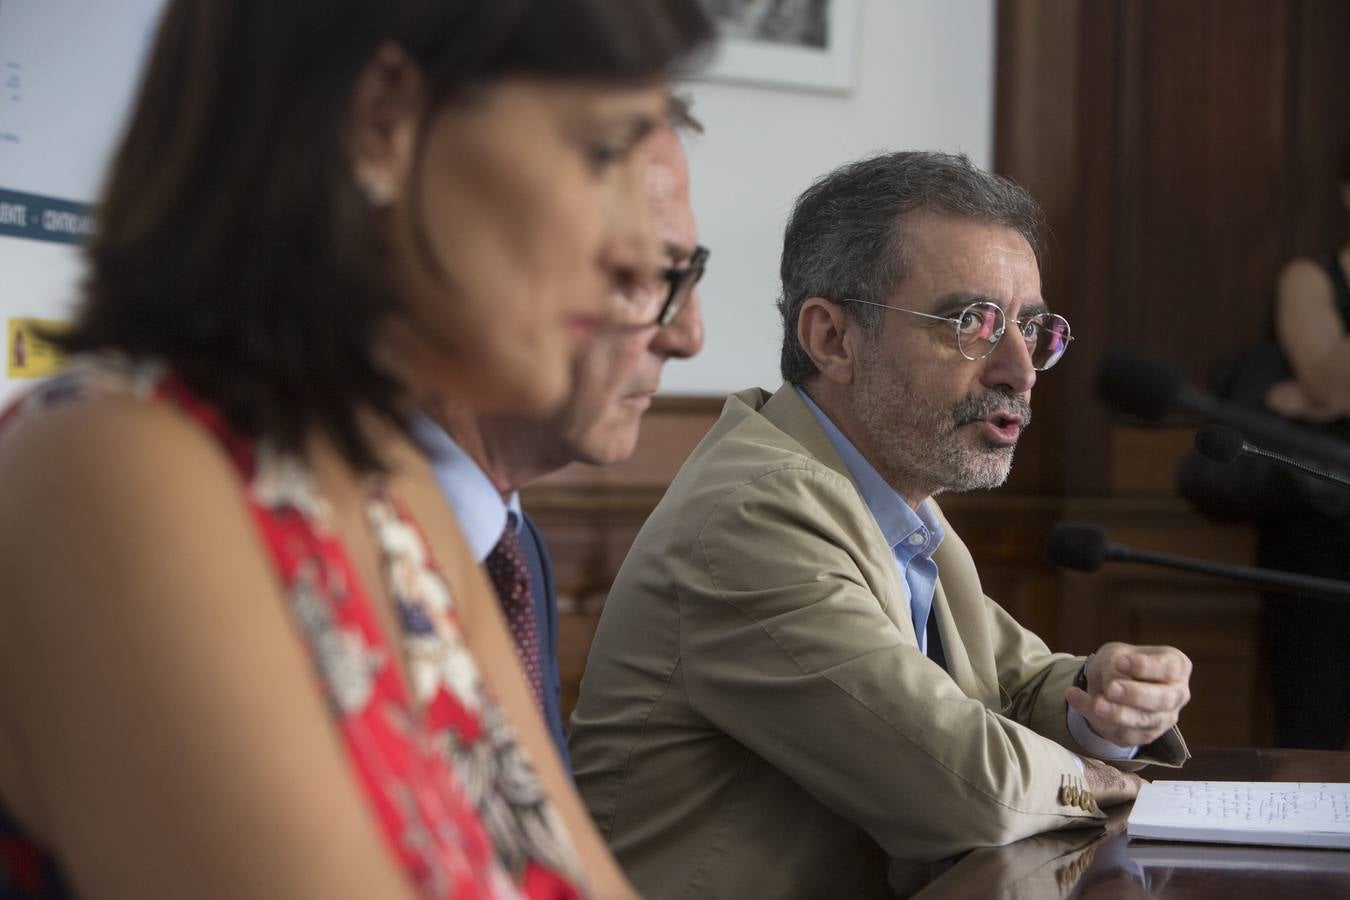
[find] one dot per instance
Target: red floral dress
(456, 799)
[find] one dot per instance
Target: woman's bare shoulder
(1303, 279)
(97, 492)
(118, 428)
(167, 709)
(114, 466)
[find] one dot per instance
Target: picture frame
(803, 44)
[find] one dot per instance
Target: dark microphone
(1078, 547)
(1085, 548)
(1139, 386)
(1223, 444)
(1220, 443)
(1150, 390)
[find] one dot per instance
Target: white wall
(68, 69)
(924, 81)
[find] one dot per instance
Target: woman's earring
(379, 192)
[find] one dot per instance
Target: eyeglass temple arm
(912, 312)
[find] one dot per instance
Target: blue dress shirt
(912, 536)
(483, 515)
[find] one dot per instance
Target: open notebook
(1276, 813)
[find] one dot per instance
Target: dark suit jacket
(546, 623)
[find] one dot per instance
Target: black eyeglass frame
(682, 281)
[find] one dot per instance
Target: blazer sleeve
(787, 648)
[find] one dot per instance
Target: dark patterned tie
(511, 577)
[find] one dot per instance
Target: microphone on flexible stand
(1223, 444)
(1085, 549)
(1150, 390)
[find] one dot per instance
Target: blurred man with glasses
(482, 462)
(798, 687)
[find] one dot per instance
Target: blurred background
(1184, 150)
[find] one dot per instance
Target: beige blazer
(756, 719)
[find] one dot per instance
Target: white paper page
(1240, 810)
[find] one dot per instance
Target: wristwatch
(1080, 680)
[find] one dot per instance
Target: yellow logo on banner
(29, 355)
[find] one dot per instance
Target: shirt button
(915, 539)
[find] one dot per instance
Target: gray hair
(846, 238)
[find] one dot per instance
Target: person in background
(1308, 638)
(798, 687)
(482, 461)
(246, 650)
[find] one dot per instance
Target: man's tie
(511, 577)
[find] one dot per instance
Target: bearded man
(798, 687)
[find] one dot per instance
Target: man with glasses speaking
(481, 462)
(798, 687)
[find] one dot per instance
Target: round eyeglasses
(681, 283)
(980, 326)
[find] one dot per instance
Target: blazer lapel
(958, 659)
(959, 603)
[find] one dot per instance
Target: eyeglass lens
(980, 326)
(1050, 340)
(682, 282)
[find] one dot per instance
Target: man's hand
(1109, 785)
(1134, 694)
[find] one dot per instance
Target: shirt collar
(483, 514)
(897, 520)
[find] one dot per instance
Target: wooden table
(1096, 863)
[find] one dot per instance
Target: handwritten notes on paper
(1284, 813)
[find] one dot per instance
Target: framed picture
(802, 43)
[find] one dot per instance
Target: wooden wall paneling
(1203, 141)
(1317, 127)
(1006, 537)
(1094, 223)
(1158, 138)
(1175, 192)
(1145, 458)
(1218, 627)
(1037, 78)
(1216, 624)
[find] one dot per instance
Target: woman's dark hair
(232, 240)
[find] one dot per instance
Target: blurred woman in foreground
(245, 651)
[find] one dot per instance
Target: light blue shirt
(914, 538)
(483, 514)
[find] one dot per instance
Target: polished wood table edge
(1100, 861)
